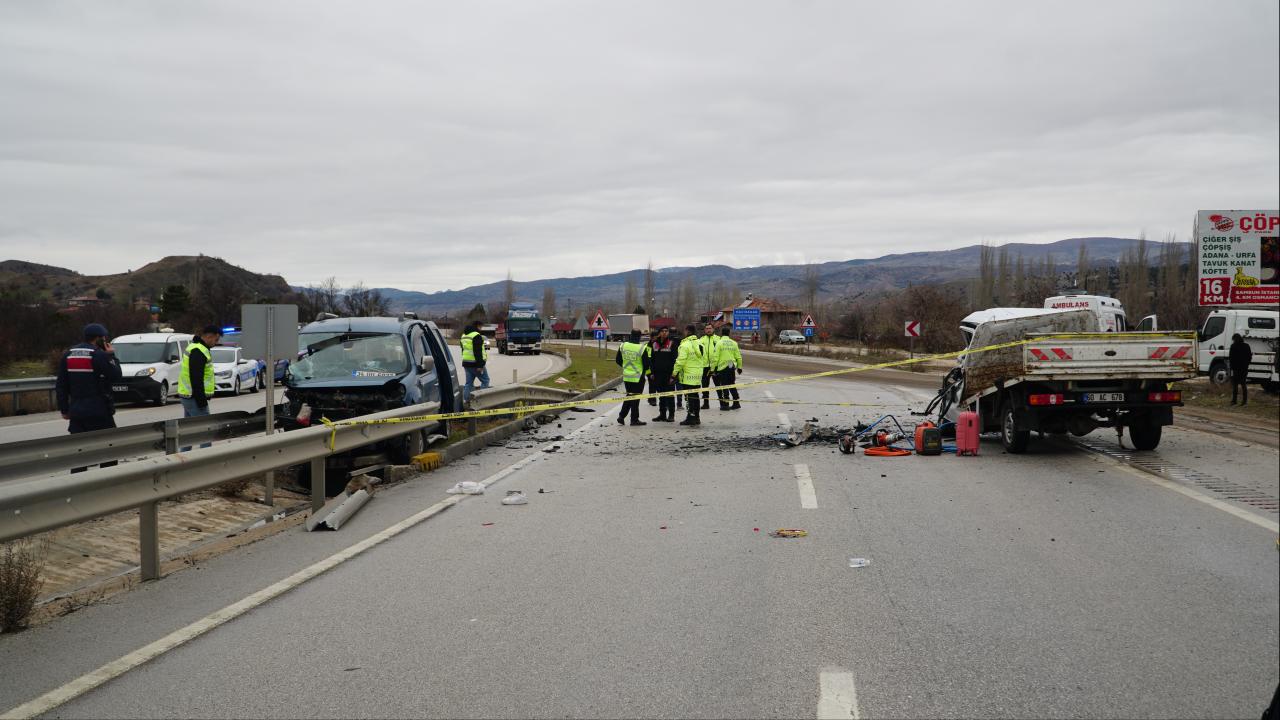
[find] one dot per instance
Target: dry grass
(21, 577)
(233, 488)
(1201, 393)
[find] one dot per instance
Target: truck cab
(1260, 329)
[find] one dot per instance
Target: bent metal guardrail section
(33, 505)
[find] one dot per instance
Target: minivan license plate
(1104, 397)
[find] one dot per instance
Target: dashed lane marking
(808, 497)
(837, 695)
(116, 668)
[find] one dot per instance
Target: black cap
(635, 336)
(95, 330)
(211, 330)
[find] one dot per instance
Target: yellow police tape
(527, 409)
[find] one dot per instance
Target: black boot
(638, 421)
(736, 405)
(621, 420)
(706, 404)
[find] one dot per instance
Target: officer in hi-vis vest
(474, 356)
(634, 357)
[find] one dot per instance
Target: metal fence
(14, 388)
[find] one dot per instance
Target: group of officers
(686, 364)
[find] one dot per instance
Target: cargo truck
(521, 332)
(620, 326)
(1065, 372)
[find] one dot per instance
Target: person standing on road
(662, 366)
(85, 374)
(474, 357)
(709, 345)
(1239, 358)
(634, 357)
(728, 365)
(690, 364)
(195, 384)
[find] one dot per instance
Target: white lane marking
(1212, 502)
(808, 497)
(769, 394)
(785, 420)
(838, 697)
(114, 669)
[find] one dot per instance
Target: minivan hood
(128, 369)
(348, 382)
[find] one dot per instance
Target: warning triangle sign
(600, 322)
(808, 322)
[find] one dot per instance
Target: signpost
(270, 333)
(746, 319)
(1238, 253)
(580, 326)
(600, 326)
(912, 330)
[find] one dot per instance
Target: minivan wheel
(163, 397)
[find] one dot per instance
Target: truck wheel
(1144, 435)
(1015, 441)
(1219, 373)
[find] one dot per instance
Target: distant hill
(59, 284)
(848, 278)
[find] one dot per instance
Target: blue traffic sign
(746, 318)
(600, 334)
(808, 332)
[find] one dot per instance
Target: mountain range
(839, 279)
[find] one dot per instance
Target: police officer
(195, 384)
(710, 342)
(83, 386)
(728, 365)
(661, 368)
(688, 372)
(1238, 358)
(474, 357)
(634, 357)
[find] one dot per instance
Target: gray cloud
(435, 145)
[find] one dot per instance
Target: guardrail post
(170, 437)
(149, 540)
(17, 402)
(317, 484)
(269, 490)
(513, 376)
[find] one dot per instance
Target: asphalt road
(39, 425)
(1061, 583)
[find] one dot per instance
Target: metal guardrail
(14, 387)
(32, 505)
(43, 456)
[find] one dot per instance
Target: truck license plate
(1103, 397)
(120, 388)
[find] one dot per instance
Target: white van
(1110, 312)
(150, 364)
(1259, 329)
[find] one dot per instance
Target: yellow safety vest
(727, 353)
(633, 361)
(690, 362)
(468, 348)
(184, 380)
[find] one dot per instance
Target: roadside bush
(21, 577)
(234, 488)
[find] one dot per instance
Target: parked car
(791, 337)
(232, 371)
(150, 364)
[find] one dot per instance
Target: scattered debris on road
(466, 487)
(789, 533)
(856, 562)
(515, 497)
(338, 510)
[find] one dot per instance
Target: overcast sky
(435, 145)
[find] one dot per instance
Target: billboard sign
(1238, 252)
(746, 319)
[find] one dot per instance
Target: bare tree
(1019, 281)
(983, 295)
(650, 292)
(1004, 278)
(360, 301)
(687, 299)
(1082, 267)
(508, 294)
(629, 293)
(328, 295)
(548, 301)
(812, 283)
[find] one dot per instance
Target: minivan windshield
(223, 354)
(336, 355)
(140, 353)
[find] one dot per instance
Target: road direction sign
(808, 332)
(746, 318)
(912, 329)
(808, 322)
(601, 334)
(600, 321)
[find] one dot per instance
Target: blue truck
(522, 331)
